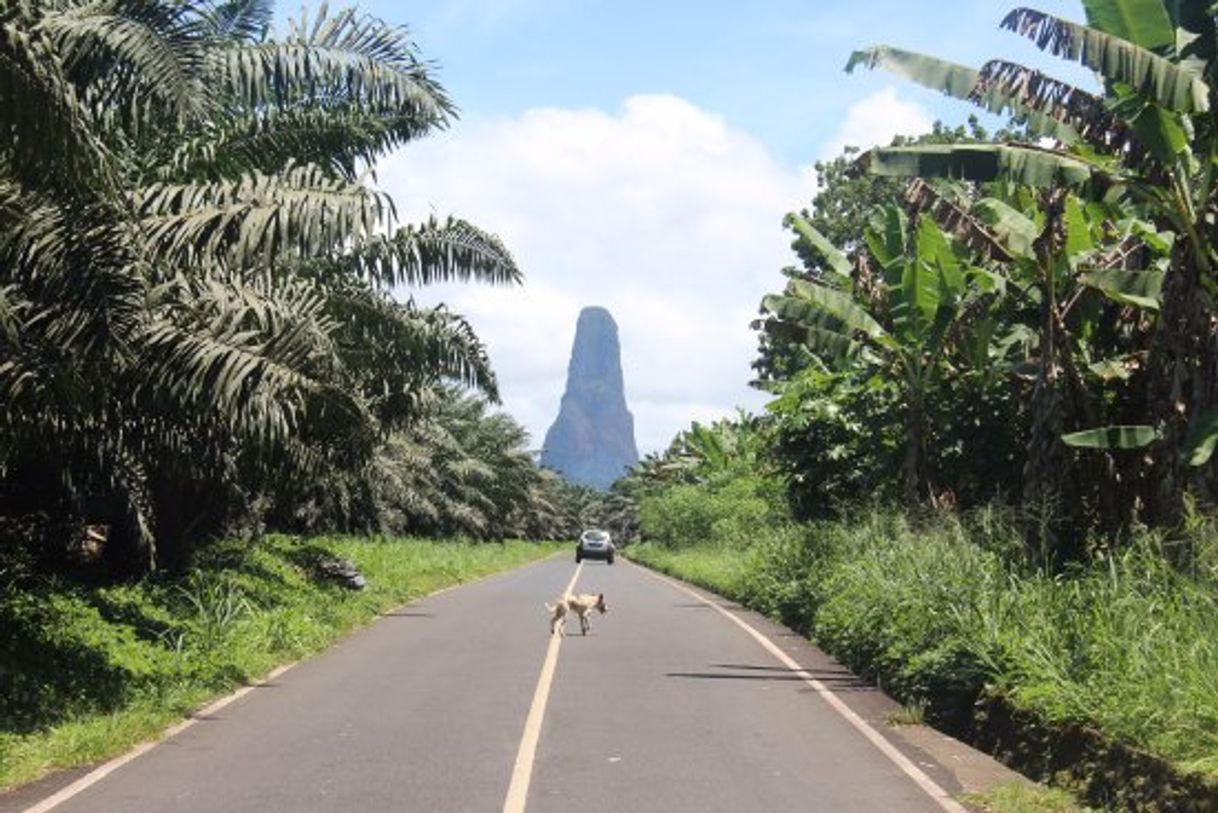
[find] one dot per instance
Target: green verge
(90, 672)
(1017, 797)
(943, 614)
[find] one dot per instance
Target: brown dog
(581, 605)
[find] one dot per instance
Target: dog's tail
(550, 607)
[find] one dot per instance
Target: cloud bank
(661, 212)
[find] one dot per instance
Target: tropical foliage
(1060, 273)
(195, 318)
(1144, 145)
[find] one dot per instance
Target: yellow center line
(522, 772)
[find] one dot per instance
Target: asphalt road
(665, 706)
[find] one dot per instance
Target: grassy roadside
(90, 672)
(1121, 657)
(1017, 797)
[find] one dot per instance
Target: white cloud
(874, 121)
(660, 212)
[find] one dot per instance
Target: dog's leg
(584, 624)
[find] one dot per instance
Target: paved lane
(420, 712)
(670, 707)
(665, 706)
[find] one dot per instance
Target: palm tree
(192, 266)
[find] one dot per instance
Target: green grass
(90, 672)
(722, 569)
(1023, 797)
(942, 613)
(911, 714)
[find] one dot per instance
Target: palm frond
(52, 141)
(435, 251)
(239, 20)
(139, 54)
(258, 218)
(361, 61)
(448, 345)
(228, 349)
(79, 268)
(340, 139)
(9, 315)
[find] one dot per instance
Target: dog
(581, 605)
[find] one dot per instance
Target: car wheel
(610, 559)
(579, 557)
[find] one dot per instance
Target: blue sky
(641, 155)
(772, 67)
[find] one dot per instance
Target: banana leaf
(804, 301)
(1112, 437)
(961, 82)
(837, 261)
(1142, 22)
(1116, 59)
(982, 163)
(1142, 289)
(1014, 230)
(1199, 447)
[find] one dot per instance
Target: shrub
(732, 514)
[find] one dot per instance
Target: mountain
(592, 440)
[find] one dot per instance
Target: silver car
(595, 544)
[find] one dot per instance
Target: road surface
(667, 705)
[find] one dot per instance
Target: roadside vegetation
(1022, 798)
(985, 478)
(90, 671)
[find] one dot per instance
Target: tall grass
(89, 672)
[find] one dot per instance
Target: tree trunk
(1101, 473)
(917, 476)
(1047, 506)
(1181, 387)
(1044, 473)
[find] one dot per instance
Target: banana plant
(1150, 136)
(891, 309)
(1085, 280)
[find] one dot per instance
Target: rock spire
(591, 442)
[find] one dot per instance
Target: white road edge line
(522, 771)
(932, 788)
(106, 768)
